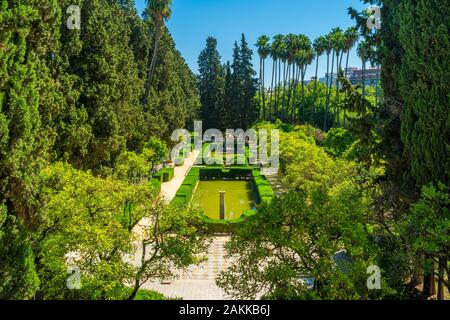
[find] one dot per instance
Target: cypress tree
(249, 85)
(211, 84)
(26, 34)
(424, 86)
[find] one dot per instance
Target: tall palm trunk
(336, 118)
(315, 84)
(153, 63)
(363, 78)
(345, 74)
(277, 88)
(327, 105)
(274, 68)
(291, 88)
(325, 115)
(263, 87)
(294, 99)
(303, 71)
(260, 89)
(284, 90)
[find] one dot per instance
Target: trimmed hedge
(164, 175)
(263, 187)
(186, 191)
(219, 173)
(225, 226)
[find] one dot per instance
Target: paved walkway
(276, 182)
(169, 189)
(198, 282)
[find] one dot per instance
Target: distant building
(330, 77)
(371, 76)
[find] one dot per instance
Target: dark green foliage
(18, 276)
(244, 111)
(338, 141)
(75, 95)
(25, 39)
(211, 82)
(227, 93)
(424, 87)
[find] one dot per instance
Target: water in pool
(239, 197)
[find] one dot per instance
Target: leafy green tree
(25, 38)
(338, 141)
(99, 226)
(319, 46)
(294, 239)
(245, 74)
(424, 87)
(426, 228)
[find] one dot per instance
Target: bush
(167, 174)
(338, 141)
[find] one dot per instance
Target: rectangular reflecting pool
(239, 197)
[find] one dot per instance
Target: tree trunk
(264, 89)
(363, 77)
(291, 88)
(441, 275)
(315, 85)
(337, 115)
(153, 63)
(284, 91)
(327, 106)
(274, 67)
(326, 94)
(345, 73)
(294, 99)
(303, 72)
(418, 269)
(260, 85)
(429, 286)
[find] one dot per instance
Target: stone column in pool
(222, 205)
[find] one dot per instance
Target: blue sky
(194, 20)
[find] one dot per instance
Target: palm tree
(276, 54)
(302, 57)
(363, 54)
(160, 11)
(309, 57)
(292, 47)
(263, 51)
(284, 57)
(319, 47)
(351, 38)
(339, 45)
(330, 50)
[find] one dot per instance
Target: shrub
(167, 174)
